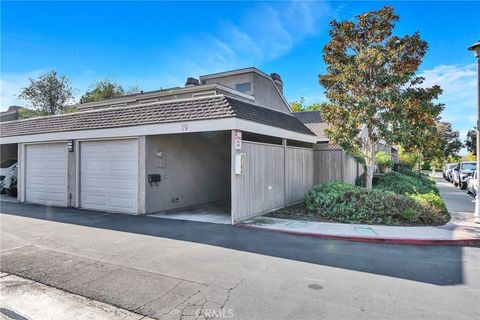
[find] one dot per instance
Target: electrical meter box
(240, 163)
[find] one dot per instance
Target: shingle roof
(313, 120)
(214, 107)
(267, 116)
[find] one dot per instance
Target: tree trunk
(369, 153)
(369, 176)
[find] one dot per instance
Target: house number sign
(238, 140)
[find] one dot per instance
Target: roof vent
(278, 81)
(191, 82)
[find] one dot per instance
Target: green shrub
(405, 184)
(336, 201)
(429, 199)
(384, 159)
(418, 187)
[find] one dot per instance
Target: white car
(472, 186)
(8, 176)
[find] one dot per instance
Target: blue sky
(159, 44)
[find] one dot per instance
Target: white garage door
(46, 174)
(109, 175)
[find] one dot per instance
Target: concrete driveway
(169, 269)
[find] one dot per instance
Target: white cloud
(264, 32)
(459, 84)
(10, 86)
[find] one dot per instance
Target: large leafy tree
(105, 89)
(371, 85)
(471, 141)
(47, 95)
(300, 106)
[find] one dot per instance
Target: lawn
(397, 199)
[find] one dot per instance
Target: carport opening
(8, 171)
(188, 176)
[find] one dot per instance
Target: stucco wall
(194, 167)
(267, 95)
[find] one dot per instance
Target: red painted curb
(366, 239)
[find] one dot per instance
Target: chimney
(278, 81)
(191, 82)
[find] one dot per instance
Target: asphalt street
(169, 269)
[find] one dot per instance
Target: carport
(212, 156)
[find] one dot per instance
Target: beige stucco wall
(194, 167)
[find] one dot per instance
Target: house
(225, 144)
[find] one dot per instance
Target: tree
(299, 106)
(471, 141)
(369, 75)
(102, 90)
(451, 143)
(47, 95)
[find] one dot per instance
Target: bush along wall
(397, 199)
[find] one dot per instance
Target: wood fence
(336, 165)
(278, 175)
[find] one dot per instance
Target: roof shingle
(313, 120)
(214, 107)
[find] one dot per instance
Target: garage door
(109, 175)
(46, 174)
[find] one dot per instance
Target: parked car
(463, 171)
(449, 172)
(446, 169)
(472, 185)
(8, 177)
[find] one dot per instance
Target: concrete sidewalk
(460, 230)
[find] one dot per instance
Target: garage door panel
(46, 174)
(109, 175)
(56, 181)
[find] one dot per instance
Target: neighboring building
(227, 140)
(313, 120)
(12, 113)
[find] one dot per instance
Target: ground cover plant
(396, 199)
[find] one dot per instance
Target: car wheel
(462, 186)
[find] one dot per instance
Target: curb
(366, 239)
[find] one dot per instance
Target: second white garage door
(109, 175)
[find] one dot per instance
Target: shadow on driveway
(429, 264)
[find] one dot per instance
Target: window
(244, 87)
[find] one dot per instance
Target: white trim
(267, 130)
(123, 132)
(77, 173)
(204, 94)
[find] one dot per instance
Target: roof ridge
(115, 108)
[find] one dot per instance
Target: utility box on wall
(240, 163)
